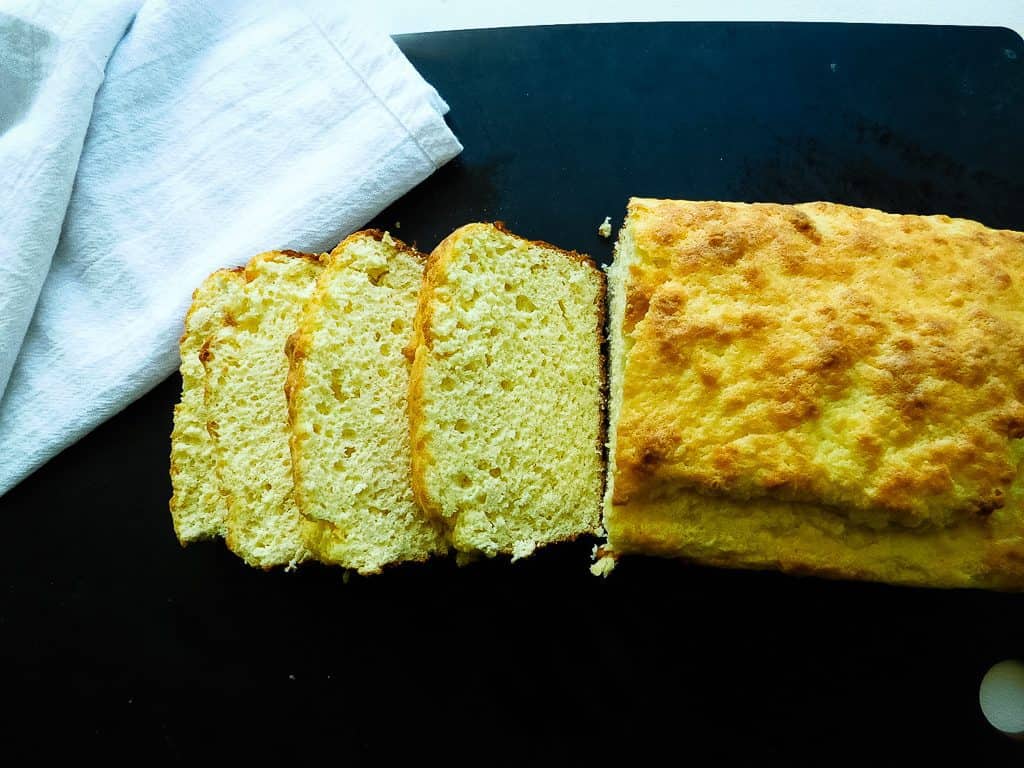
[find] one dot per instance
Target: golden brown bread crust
(379, 236)
(416, 352)
(831, 365)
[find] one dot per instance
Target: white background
(398, 16)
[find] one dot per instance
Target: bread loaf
(820, 389)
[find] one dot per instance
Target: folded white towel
(220, 130)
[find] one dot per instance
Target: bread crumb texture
(506, 392)
(246, 367)
(818, 387)
(347, 396)
(198, 509)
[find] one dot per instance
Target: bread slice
(197, 507)
(818, 388)
(246, 367)
(506, 392)
(347, 398)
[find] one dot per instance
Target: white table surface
(399, 16)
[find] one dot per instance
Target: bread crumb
(523, 549)
(603, 567)
(465, 558)
(604, 563)
(398, 225)
(605, 230)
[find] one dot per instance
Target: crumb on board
(604, 562)
(603, 567)
(605, 230)
(398, 225)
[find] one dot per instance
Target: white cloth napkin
(219, 131)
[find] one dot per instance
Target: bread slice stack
(373, 406)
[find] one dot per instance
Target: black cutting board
(113, 639)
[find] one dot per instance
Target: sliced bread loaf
(506, 392)
(347, 398)
(197, 507)
(246, 367)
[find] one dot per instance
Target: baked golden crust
(416, 352)
(822, 387)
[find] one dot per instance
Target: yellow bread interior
(246, 367)
(506, 392)
(818, 388)
(198, 509)
(347, 396)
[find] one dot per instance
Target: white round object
(1002, 697)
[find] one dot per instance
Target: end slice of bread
(347, 398)
(506, 392)
(246, 367)
(197, 507)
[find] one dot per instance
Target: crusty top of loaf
(848, 357)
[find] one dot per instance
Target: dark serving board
(113, 639)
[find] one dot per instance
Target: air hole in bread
(376, 274)
(523, 304)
